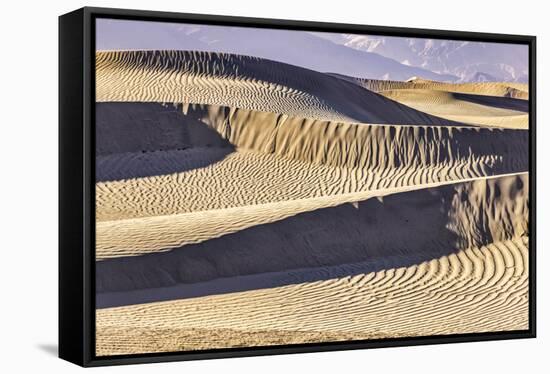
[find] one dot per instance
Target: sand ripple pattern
(247, 202)
(246, 178)
(503, 89)
(300, 158)
(475, 290)
(462, 108)
(243, 82)
(503, 197)
(281, 158)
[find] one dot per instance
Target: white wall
(28, 184)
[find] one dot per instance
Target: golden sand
(504, 89)
(436, 174)
(457, 108)
(137, 236)
(475, 290)
(243, 82)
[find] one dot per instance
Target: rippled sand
(475, 290)
(242, 82)
(246, 202)
(471, 109)
(503, 89)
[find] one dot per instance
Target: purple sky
(365, 56)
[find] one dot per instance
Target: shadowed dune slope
(135, 140)
(138, 236)
(509, 103)
(503, 89)
(472, 291)
(303, 160)
(355, 145)
(243, 82)
(450, 217)
(130, 165)
(138, 127)
(282, 158)
(491, 111)
(324, 142)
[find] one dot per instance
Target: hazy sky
(366, 56)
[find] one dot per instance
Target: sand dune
(247, 202)
(475, 290)
(273, 152)
(350, 144)
(246, 178)
(138, 236)
(425, 221)
(269, 44)
(141, 127)
(324, 142)
(495, 104)
(243, 82)
(466, 108)
(503, 89)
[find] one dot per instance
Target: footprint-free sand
(246, 202)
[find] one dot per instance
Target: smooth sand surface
(475, 290)
(247, 202)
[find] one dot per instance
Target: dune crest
(243, 82)
(138, 236)
(242, 201)
(503, 89)
(493, 111)
(454, 217)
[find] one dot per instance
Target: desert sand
(243, 82)
(472, 109)
(273, 152)
(503, 89)
(474, 290)
(248, 202)
(153, 234)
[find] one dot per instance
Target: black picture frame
(77, 198)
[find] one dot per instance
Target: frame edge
(71, 241)
(80, 351)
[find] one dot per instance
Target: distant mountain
(482, 77)
(293, 47)
(467, 60)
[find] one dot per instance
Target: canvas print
(263, 187)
